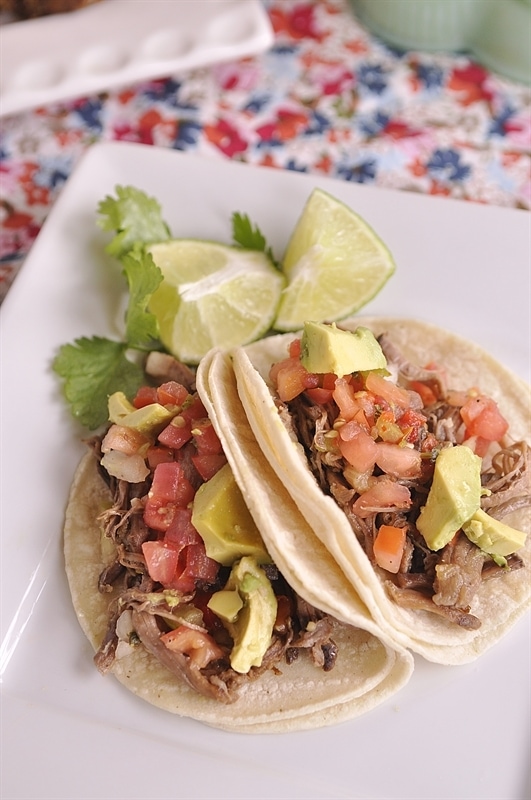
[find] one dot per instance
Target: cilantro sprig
(249, 237)
(92, 368)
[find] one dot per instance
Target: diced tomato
(207, 465)
(194, 409)
(169, 491)
(158, 455)
(181, 532)
(389, 391)
(193, 565)
(357, 447)
(158, 514)
(295, 348)
(479, 445)
(197, 645)
(427, 395)
(411, 423)
(171, 393)
(145, 396)
(176, 433)
(344, 396)
(126, 440)
(389, 547)
(170, 483)
(483, 418)
(206, 438)
(328, 381)
(320, 395)
(382, 495)
(292, 379)
(204, 568)
(398, 461)
(161, 561)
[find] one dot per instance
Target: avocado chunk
(226, 604)
(327, 348)
(224, 522)
(492, 536)
(252, 629)
(150, 419)
(454, 496)
(119, 407)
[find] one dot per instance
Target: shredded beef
(299, 626)
(445, 582)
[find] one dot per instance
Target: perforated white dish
(116, 42)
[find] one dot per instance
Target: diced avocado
(492, 536)
(149, 420)
(224, 522)
(226, 604)
(252, 630)
(454, 496)
(119, 407)
(327, 348)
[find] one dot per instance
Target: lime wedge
(212, 295)
(335, 263)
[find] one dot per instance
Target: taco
(368, 466)
(149, 612)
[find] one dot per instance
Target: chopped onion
(132, 469)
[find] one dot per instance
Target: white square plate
(453, 732)
(117, 42)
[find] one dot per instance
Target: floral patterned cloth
(327, 98)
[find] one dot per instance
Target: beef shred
(444, 582)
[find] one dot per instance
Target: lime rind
(335, 264)
(213, 295)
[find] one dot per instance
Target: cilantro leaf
(250, 238)
(143, 277)
(92, 370)
(134, 216)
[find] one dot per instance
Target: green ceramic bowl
(496, 32)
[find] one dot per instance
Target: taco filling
(218, 622)
(424, 473)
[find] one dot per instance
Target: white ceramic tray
(70, 734)
(117, 42)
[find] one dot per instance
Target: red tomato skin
(159, 514)
(390, 392)
(157, 455)
(208, 464)
(291, 380)
(194, 410)
(181, 532)
(427, 395)
(145, 396)
(295, 349)
(171, 393)
(483, 418)
(359, 449)
(170, 490)
(161, 561)
(175, 435)
(206, 438)
(320, 395)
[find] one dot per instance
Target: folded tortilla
(369, 667)
(500, 602)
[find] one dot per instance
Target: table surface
(328, 98)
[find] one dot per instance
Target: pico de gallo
(158, 450)
(372, 444)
